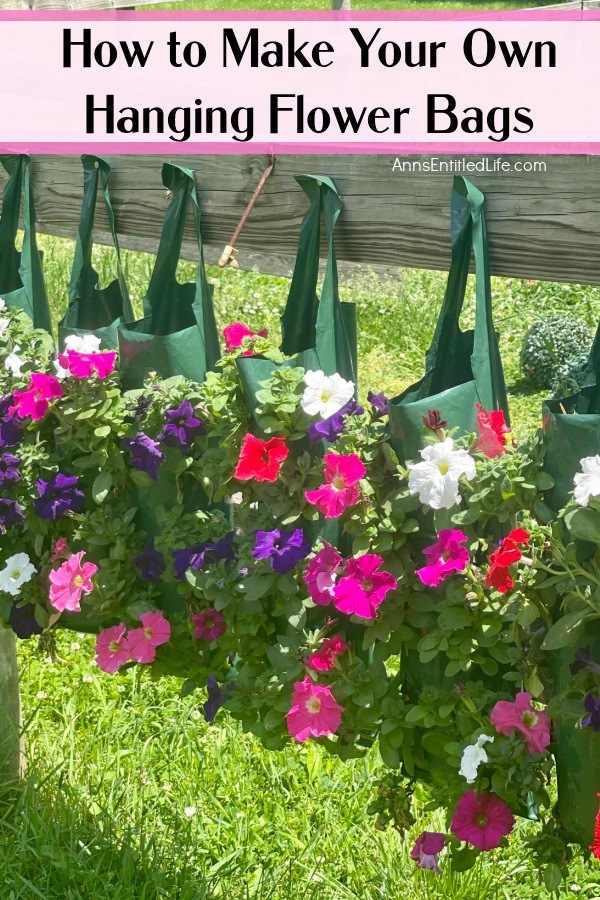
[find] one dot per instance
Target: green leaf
(101, 487)
(584, 524)
(552, 877)
(256, 586)
(564, 632)
(295, 612)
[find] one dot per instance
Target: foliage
(549, 345)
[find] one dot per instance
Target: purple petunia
(330, 429)
(150, 562)
(583, 660)
(145, 454)
(200, 556)
(23, 622)
(379, 402)
(216, 698)
(181, 427)
(11, 430)
(284, 549)
(11, 514)
(592, 707)
(58, 496)
(9, 470)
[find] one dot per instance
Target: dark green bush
(550, 344)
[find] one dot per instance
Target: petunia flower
(519, 714)
(482, 820)
(473, 756)
(362, 589)
(592, 707)
(330, 429)
(70, 581)
(146, 455)
(342, 474)
(426, 849)
(236, 333)
(284, 549)
(260, 460)
(582, 659)
(321, 574)
(435, 479)
(34, 402)
(9, 470)
(508, 553)
(587, 482)
(595, 845)
(17, 570)
(11, 430)
(314, 711)
(444, 557)
(150, 563)
(58, 496)
(209, 625)
(111, 652)
(492, 432)
(200, 556)
(23, 622)
(141, 643)
(324, 658)
(379, 402)
(84, 365)
(13, 363)
(324, 394)
(181, 428)
(433, 421)
(82, 343)
(11, 514)
(217, 697)
(60, 550)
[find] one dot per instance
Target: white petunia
(435, 479)
(13, 363)
(472, 757)
(587, 483)
(82, 343)
(4, 323)
(60, 373)
(324, 394)
(16, 572)
(2, 303)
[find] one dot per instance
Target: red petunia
(492, 432)
(505, 555)
(595, 845)
(260, 460)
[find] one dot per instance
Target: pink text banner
(376, 82)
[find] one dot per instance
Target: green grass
(356, 4)
(114, 761)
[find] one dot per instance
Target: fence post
(341, 4)
(10, 709)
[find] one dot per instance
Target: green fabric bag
(21, 274)
(94, 310)
(178, 334)
(462, 368)
(318, 333)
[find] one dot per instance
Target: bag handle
(180, 182)
(469, 235)
(83, 276)
(308, 322)
(28, 264)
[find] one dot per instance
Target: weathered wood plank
(543, 225)
(77, 4)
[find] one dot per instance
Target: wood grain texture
(77, 4)
(543, 225)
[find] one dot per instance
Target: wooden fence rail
(542, 224)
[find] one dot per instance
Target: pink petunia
(362, 589)
(141, 643)
(70, 581)
(520, 714)
(492, 432)
(426, 849)
(314, 711)
(209, 625)
(444, 557)
(237, 332)
(111, 652)
(482, 820)
(341, 490)
(324, 658)
(83, 365)
(61, 550)
(35, 400)
(321, 573)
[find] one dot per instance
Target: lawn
(356, 4)
(131, 796)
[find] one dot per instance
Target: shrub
(551, 343)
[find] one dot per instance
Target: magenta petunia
(482, 820)
(426, 849)
(209, 625)
(314, 711)
(362, 589)
(70, 581)
(324, 658)
(84, 365)
(534, 724)
(141, 643)
(236, 333)
(444, 557)
(341, 490)
(111, 651)
(321, 573)
(34, 402)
